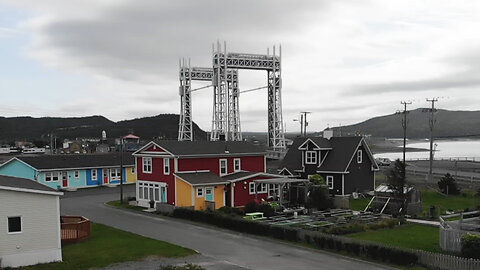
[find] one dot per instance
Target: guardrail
(74, 229)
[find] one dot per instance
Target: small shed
(29, 223)
(385, 202)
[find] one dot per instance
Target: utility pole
(431, 124)
(404, 125)
(121, 170)
(305, 123)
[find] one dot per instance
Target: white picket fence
(446, 262)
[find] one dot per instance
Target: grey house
(346, 163)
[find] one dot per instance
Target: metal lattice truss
(226, 98)
(224, 78)
(187, 75)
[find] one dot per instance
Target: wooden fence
(74, 229)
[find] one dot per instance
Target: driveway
(221, 249)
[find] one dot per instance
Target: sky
(344, 61)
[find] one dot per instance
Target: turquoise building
(72, 171)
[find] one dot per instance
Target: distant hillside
(30, 129)
(448, 124)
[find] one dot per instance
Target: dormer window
(359, 156)
(310, 157)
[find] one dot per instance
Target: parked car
(383, 161)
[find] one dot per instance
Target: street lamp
(121, 170)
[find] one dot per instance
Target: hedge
(319, 240)
(471, 246)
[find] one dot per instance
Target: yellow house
(131, 175)
(200, 189)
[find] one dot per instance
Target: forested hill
(448, 124)
(30, 129)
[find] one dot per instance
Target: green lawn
(407, 236)
(431, 197)
(452, 202)
(108, 245)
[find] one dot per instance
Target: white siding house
(29, 223)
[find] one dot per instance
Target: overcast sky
(345, 61)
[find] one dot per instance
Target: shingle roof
(201, 178)
(238, 175)
(343, 149)
(23, 183)
(46, 162)
(209, 147)
(337, 159)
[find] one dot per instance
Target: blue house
(72, 171)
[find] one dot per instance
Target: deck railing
(74, 229)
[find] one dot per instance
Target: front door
(105, 176)
(209, 194)
(64, 179)
(163, 194)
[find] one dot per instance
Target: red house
(191, 173)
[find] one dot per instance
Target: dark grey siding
(361, 176)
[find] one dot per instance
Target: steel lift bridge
(226, 115)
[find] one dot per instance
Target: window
(48, 177)
(273, 190)
(251, 188)
(236, 165)
(14, 224)
(199, 192)
(166, 166)
(310, 157)
(261, 188)
(115, 174)
(140, 190)
(94, 174)
(330, 181)
(147, 164)
(55, 176)
(223, 167)
(359, 156)
(133, 169)
(76, 174)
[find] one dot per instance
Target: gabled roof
(53, 162)
(342, 150)
(25, 185)
(318, 142)
(201, 178)
(339, 158)
(201, 148)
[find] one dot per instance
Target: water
(445, 149)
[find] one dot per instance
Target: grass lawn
(430, 197)
(108, 245)
(408, 236)
(452, 202)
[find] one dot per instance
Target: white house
(29, 223)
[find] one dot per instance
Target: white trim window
(48, 177)
(166, 166)
(115, 174)
(76, 174)
(94, 174)
(147, 164)
(14, 225)
(237, 165)
(151, 191)
(200, 192)
(133, 169)
(251, 188)
(330, 181)
(359, 156)
(311, 157)
(223, 167)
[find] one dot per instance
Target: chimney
(328, 133)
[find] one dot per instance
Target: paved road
(227, 250)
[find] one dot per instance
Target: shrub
(319, 198)
(447, 185)
(471, 246)
(251, 207)
(230, 211)
(317, 179)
